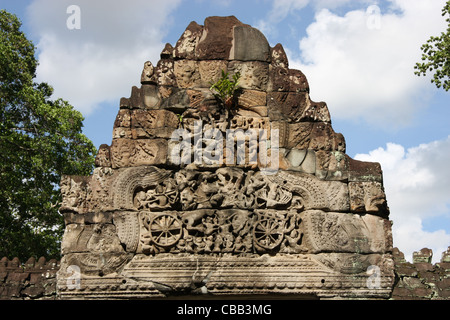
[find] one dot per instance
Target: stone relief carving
(127, 225)
(143, 225)
(210, 231)
(130, 179)
(343, 232)
(227, 187)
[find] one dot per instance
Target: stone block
(316, 111)
(254, 74)
(135, 100)
(147, 76)
(445, 258)
(425, 255)
(251, 98)
(360, 171)
(103, 157)
(430, 277)
(187, 74)
(95, 238)
(153, 123)
(185, 46)
(301, 160)
(399, 257)
(283, 132)
(98, 218)
(278, 79)
(211, 71)
(70, 217)
(217, 37)
(424, 267)
(127, 152)
(202, 106)
(249, 44)
(150, 96)
(288, 106)
(331, 165)
(405, 270)
(91, 264)
(422, 293)
(444, 265)
(74, 193)
(298, 81)
(125, 103)
(279, 57)
(251, 103)
(164, 73)
(260, 111)
(400, 293)
(299, 135)
(122, 133)
(246, 123)
(127, 226)
(122, 124)
(315, 193)
(445, 293)
(123, 119)
(36, 278)
(413, 283)
(167, 52)
(33, 291)
(147, 96)
(17, 277)
(174, 99)
(338, 232)
(323, 137)
(368, 197)
(148, 73)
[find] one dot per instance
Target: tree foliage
(436, 56)
(40, 140)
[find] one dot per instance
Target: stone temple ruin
(256, 197)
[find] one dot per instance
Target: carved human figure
(211, 225)
(188, 199)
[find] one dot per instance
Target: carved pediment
(241, 192)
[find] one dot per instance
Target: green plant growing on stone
(225, 89)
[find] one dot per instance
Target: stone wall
(420, 280)
(32, 280)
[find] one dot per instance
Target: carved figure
(144, 225)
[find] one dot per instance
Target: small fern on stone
(225, 88)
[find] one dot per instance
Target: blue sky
(358, 57)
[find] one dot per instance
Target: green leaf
(40, 140)
(225, 88)
(436, 56)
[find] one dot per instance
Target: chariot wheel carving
(268, 232)
(165, 229)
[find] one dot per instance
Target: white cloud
(102, 60)
(332, 4)
(417, 188)
(364, 70)
(280, 10)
